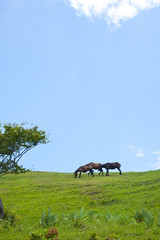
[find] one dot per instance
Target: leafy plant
(115, 218)
(108, 216)
(93, 236)
(36, 236)
(144, 216)
(7, 220)
(63, 219)
(158, 224)
(93, 216)
(123, 219)
(149, 219)
(78, 218)
(140, 215)
(112, 236)
(52, 232)
(48, 219)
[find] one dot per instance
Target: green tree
(15, 141)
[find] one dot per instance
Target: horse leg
(92, 173)
(100, 170)
(107, 173)
(120, 173)
(80, 175)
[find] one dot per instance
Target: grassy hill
(115, 207)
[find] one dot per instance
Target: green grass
(122, 207)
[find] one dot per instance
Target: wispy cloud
(114, 11)
(136, 151)
(156, 165)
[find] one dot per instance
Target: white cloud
(132, 148)
(114, 11)
(136, 151)
(156, 165)
(141, 84)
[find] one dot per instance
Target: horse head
(75, 174)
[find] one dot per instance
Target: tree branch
(22, 153)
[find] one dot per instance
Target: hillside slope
(114, 207)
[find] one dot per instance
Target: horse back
(112, 165)
(85, 168)
(94, 165)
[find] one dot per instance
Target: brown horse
(84, 168)
(108, 166)
(95, 166)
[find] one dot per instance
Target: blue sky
(86, 72)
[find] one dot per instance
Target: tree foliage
(15, 141)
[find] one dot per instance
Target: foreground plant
(78, 218)
(158, 224)
(7, 220)
(52, 234)
(48, 219)
(93, 236)
(36, 236)
(144, 216)
(113, 236)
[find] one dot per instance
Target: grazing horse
(95, 166)
(108, 166)
(84, 168)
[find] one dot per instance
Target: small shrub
(123, 220)
(158, 224)
(113, 236)
(48, 219)
(149, 220)
(140, 215)
(93, 236)
(63, 219)
(117, 218)
(108, 216)
(83, 215)
(8, 219)
(92, 214)
(52, 233)
(144, 216)
(75, 219)
(36, 236)
(78, 218)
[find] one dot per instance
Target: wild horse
(108, 166)
(96, 166)
(84, 168)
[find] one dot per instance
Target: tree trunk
(1, 209)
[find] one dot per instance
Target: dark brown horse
(84, 168)
(108, 166)
(95, 166)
